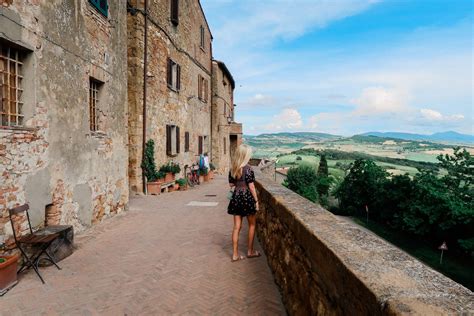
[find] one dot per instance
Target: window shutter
(175, 12)
(200, 145)
(178, 77)
(199, 87)
(168, 140)
(169, 77)
(206, 94)
(186, 141)
(178, 141)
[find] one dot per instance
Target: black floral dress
(242, 202)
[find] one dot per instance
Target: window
(186, 142)
(94, 90)
(203, 89)
(205, 144)
(202, 37)
(172, 140)
(11, 62)
(174, 12)
(200, 145)
(225, 145)
(173, 75)
(101, 5)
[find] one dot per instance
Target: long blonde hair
(240, 159)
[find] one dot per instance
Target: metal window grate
(93, 104)
(10, 86)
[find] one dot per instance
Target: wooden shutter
(169, 74)
(186, 141)
(200, 145)
(206, 88)
(178, 140)
(175, 12)
(168, 140)
(178, 77)
(199, 87)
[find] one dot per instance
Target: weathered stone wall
(222, 108)
(326, 266)
(54, 158)
(164, 106)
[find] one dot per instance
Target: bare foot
(253, 254)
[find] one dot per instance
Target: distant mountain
(448, 137)
(307, 136)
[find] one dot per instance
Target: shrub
(303, 180)
(148, 163)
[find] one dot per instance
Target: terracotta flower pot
(8, 272)
(176, 186)
(169, 177)
(183, 188)
(153, 188)
(211, 174)
(206, 177)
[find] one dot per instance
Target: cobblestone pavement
(161, 257)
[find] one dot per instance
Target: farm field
(394, 155)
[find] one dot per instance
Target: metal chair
(39, 241)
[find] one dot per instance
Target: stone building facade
(63, 128)
(178, 83)
(226, 133)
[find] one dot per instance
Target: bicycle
(192, 176)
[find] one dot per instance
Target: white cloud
(376, 100)
(287, 119)
(259, 100)
(261, 22)
(432, 115)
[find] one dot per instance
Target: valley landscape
(416, 199)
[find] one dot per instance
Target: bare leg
(235, 236)
(252, 219)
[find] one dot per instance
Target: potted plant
(149, 169)
(183, 186)
(8, 267)
(166, 169)
(170, 169)
(176, 186)
(175, 168)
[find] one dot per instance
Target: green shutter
(101, 5)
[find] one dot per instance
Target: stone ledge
(324, 265)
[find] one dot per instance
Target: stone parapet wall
(327, 266)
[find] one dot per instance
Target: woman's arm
(254, 193)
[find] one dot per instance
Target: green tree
(324, 182)
(148, 163)
(362, 186)
(303, 180)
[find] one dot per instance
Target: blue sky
(347, 66)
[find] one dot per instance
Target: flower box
(154, 188)
(8, 268)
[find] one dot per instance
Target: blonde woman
(244, 202)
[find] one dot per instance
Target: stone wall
(54, 158)
(184, 109)
(327, 266)
(222, 113)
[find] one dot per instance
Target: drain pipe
(145, 60)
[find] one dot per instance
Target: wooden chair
(39, 240)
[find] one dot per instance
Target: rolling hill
(445, 137)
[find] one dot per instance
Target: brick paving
(161, 257)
